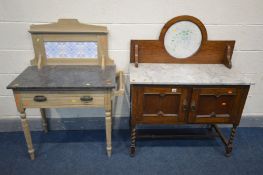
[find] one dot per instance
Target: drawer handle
(86, 98)
(40, 98)
(229, 92)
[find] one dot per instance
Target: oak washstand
(183, 78)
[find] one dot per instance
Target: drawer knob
(86, 98)
(224, 104)
(229, 92)
(40, 98)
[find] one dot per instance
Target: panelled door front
(162, 104)
(213, 105)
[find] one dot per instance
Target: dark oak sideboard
(167, 104)
(184, 78)
(187, 100)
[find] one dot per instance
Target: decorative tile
(182, 39)
(71, 49)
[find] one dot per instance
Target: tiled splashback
(71, 49)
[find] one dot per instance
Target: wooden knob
(224, 104)
(230, 92)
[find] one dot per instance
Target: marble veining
(186, 74)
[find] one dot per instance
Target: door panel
(209, 104)
(162, 104)
(213, 105)
(170, 104)
(151, 103)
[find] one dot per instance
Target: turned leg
(133, 141)
(229, 145)
(210, 127)
(108, 132)
(27, 134)
(44, 119)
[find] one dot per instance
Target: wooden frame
(184, 18)
(210, 52)
(69, 30)
(192, 19)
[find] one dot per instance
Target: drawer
(216, 91)
(163, 90)
(55, 100)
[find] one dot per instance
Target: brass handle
(224, 104)
(229, 92)
(193, 107)
(40, 98)
(86, 98)
(185, 106)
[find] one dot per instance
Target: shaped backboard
(183, 40)
(70, 42)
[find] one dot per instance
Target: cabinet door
(162, 104)
(217, 105)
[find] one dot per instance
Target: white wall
(241, 20)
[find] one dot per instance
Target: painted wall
(241, 20)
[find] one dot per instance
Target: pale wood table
(64, 86)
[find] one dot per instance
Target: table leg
(229, 146)
(44, 119)
(27, 134)
(108, 132)
(209, 127)
(133, 141)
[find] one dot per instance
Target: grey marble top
(186, 74)
(65, 77)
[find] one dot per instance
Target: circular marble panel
(182, 39)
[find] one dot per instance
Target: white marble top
(186, 74)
